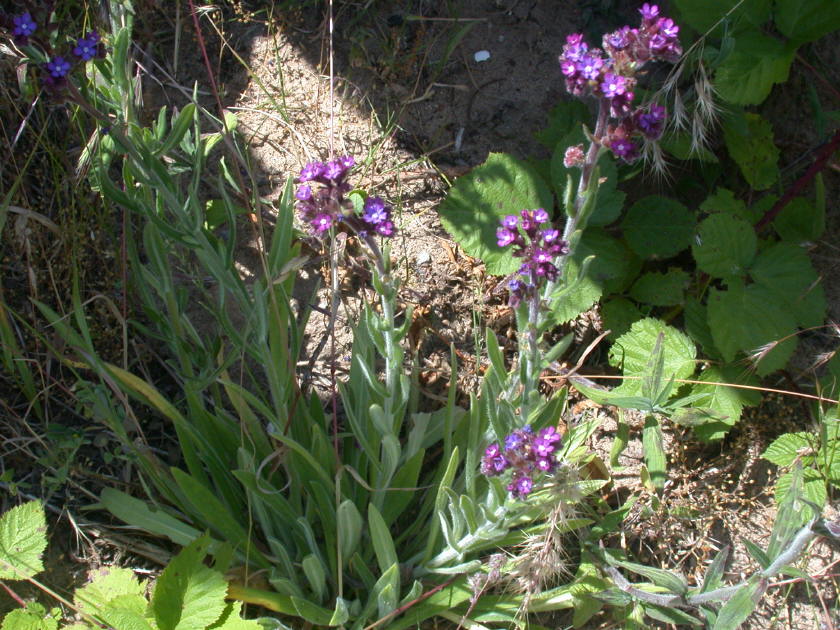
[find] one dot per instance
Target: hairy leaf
(23, 538)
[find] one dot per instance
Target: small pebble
(482, 55)
(423, 258)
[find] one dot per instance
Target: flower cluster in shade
(526, 454)
(322, 200)
(537, 243)
(610, 73)
(58, 66)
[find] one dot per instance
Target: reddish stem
(819, 164)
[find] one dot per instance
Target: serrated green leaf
(747, 319)
(724, 201)
(786, 271)
(106, 586)
(724, 402)
(725, 246)
(680, 146)
(189, 595)
(33, 617)
(607, 271)
(800, 221)
(632, 351)
(563, 118)
(661, 289)
(658, 227)
(813, 489)
(785, 449)
(807, 20)
(231, 619)
(23, 538)
(479, 200)
(705, 15)
(617, 315)
(696, 319)
(749, 140)
(748, 74)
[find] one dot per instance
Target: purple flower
(58, 67)
(549, 236)
(322, 222)
(613, 85)
(618, 40)
(649, 11)
(348, 162)
(590, 67)
(24, 26)
(510, 221)
(334, 170)
(624, 148)
(575, 47)
(540, 215)
(86, 47)
(520, 487)
(375, 211)
(568, 67)
(668, 28)
(304, 192)
(494, 462)
(386, 228)
(651, 123)
(311, 171)
(504, 237)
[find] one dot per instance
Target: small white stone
(423, 258)
(482, 55)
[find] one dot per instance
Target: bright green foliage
(749, 320)
(758, 63)
(188, 595)
(749, 139)
(725, 246)
(702, 16)
(632, 352)
(722, 404)
(800, 221)
(817, 452)
(23, 539)
(33, 617)
(806, 20)
(471, 212)
(661, 289)
(658, 227)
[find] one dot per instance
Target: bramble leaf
(23, 538)
(748, 74)
(632, 352)
(189, 595)
(658, 227)
(785, 449)
(479, 200)
(725, 246)
(807, 20)
(750, 319)
(800, 221)
(723, 401)
(785, 270)
(661, 289)
(749, 139)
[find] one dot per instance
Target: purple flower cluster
(538, 246)
(322, 200)
(610, 73)
(525, 453)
